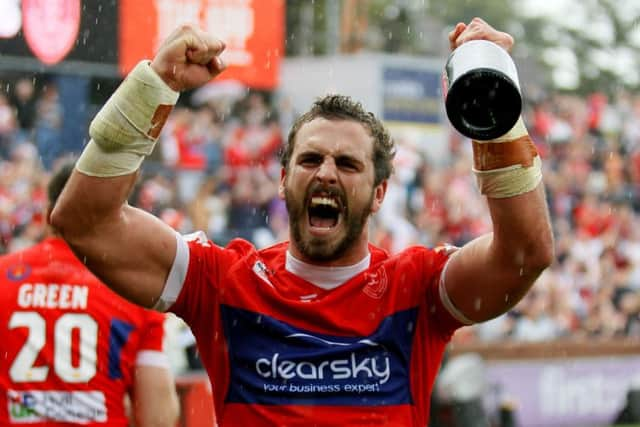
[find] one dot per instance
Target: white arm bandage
(125, 130)
(507, 166)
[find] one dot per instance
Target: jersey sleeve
(442, 310)
(192, 287)
(151, 351)
(446, 301)
(178, 273)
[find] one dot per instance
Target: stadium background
(567, 355)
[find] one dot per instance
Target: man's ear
(48, 213)
(378, 195)
(283, 176)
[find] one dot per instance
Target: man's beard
(321, 249)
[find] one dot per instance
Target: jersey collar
(326, 278)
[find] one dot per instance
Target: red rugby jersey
(282, 351)
(69, 343)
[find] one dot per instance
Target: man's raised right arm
(129, 249)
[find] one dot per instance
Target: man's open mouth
(324, 211)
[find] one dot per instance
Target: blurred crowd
(216, 169)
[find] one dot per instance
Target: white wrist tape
(510, 181)
(125, 130)
(507, 166)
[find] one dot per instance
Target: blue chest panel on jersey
(275, 363)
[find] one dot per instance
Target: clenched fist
(188, 58)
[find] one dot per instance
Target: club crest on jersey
(18, 272)
(377, 283)
(261, 271)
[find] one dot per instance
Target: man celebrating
(325, 323)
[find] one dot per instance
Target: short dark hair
(344, 108)
(58, 180)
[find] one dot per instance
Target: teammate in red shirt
(324, 329)
(72, 348)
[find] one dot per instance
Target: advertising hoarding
(252, 29)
